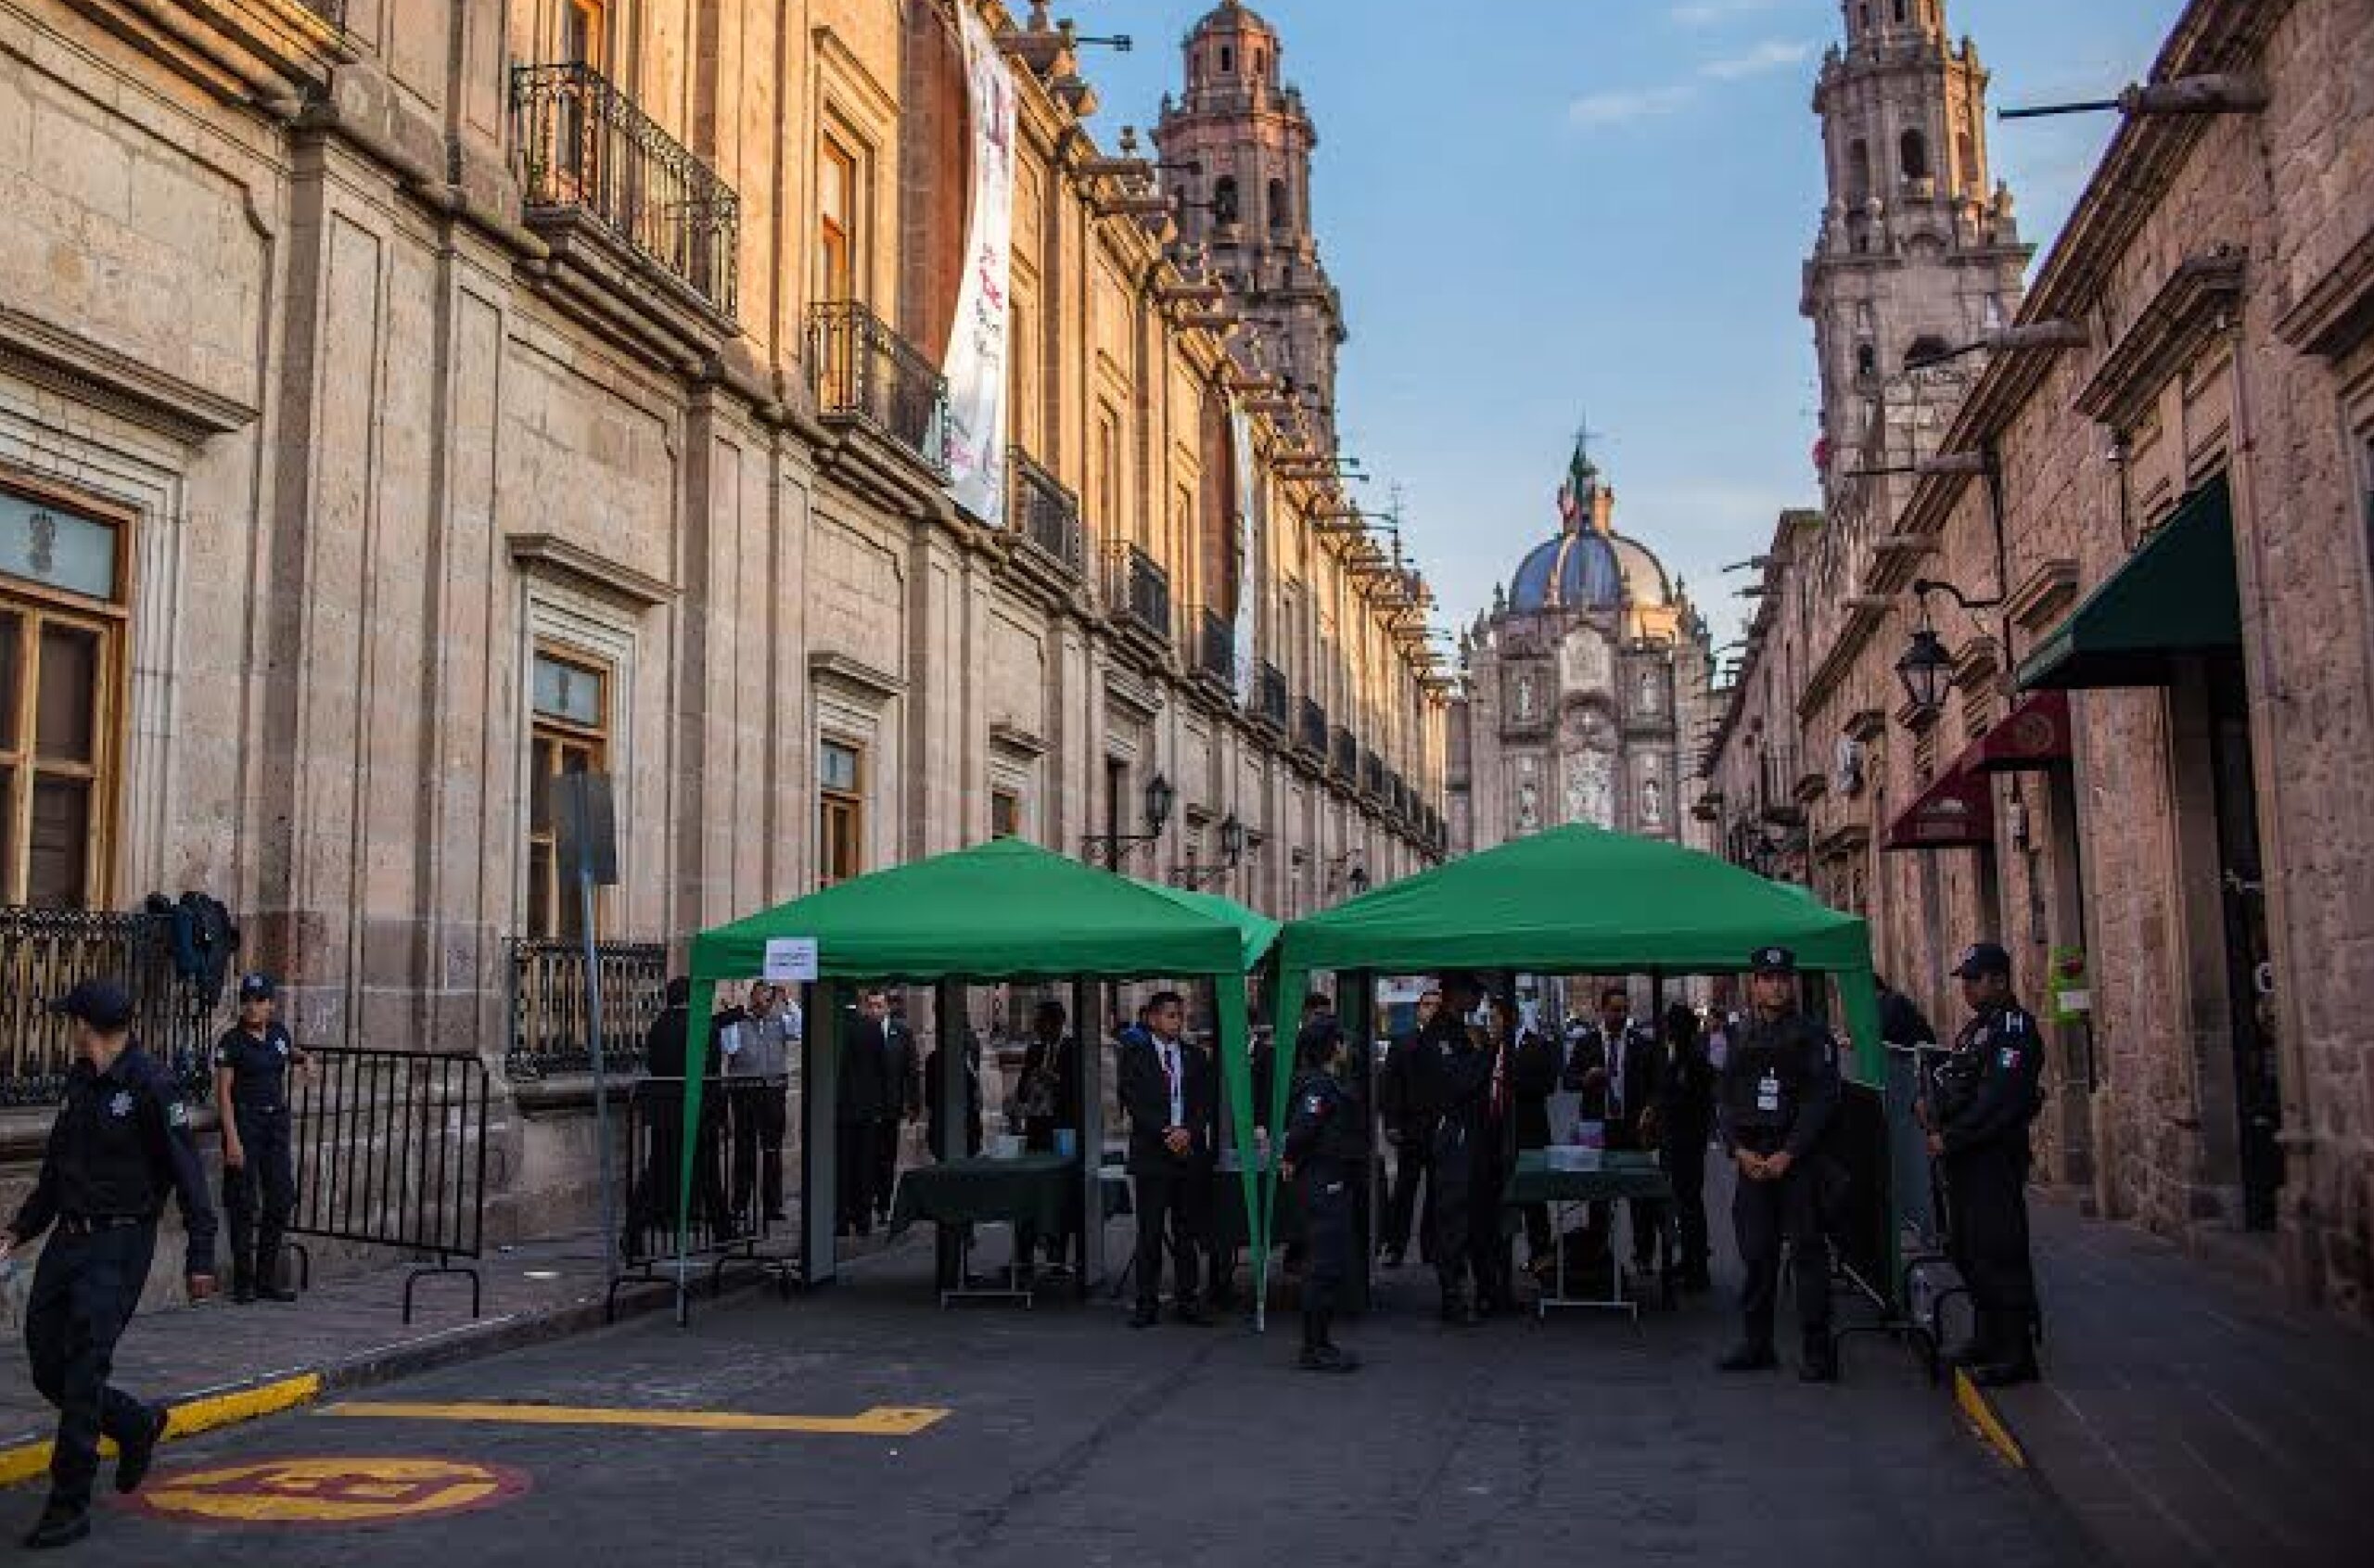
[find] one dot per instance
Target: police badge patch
(1314, 1104)
(2007, 1058)
(122, 1104)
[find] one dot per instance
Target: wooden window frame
(841, 810)
(541, 847)
(596, 52)
(840, 245)
(109, 620)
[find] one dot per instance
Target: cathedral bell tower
(1919, 251)
(1249, 140)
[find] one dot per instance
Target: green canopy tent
(1577, 900)
(1005, 911)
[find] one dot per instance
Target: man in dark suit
(881, 1089)
(1409, 1128)
(1617, 1066)
(1168, 1090)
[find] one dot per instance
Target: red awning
(1955, 812)
(2034, 734)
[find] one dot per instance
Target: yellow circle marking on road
(329, 1491)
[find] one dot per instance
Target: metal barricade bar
(728, 1219)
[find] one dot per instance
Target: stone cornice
(2338, 313)
(554, 556)
(2198, 298)
(828, 668)
(130, 388)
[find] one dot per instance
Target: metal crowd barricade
(390, 1150)
(1893, 1235)
(728, 1223)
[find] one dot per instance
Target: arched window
(1859, 171)
(1913, 152)
(1900, 12)
(1867, 358)
(1966, 150)
(1227, 56)
(1224, 200)
(1260, 64)
(1281, 207)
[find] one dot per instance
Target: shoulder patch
(1314, 1104)
(2007, 1058)
(176, 1113)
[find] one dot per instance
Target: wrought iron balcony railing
(550, 1027)
(864, 373)
(1343, 754)
(1137, 590)
(1269, 697)
(1043, 513)
(1310, 730)
(1372, 775)
(584, 146)
(1215, 647)
(45, 952)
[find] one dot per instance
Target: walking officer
(121, 1142)
(1985, 1095)
(251, 1066)
(1780, 1090)
(1325, 1154)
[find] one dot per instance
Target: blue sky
(1600, 205)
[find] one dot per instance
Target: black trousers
(1765, 1214)
(1411, 1158)
(885, 1164)
(1171, 1206)
(84, 1290)
(651, 1219)
(1987, 1200)
(1684, 1157)
(1327, 1208)
(760, 1117)
(263, 1138)
(1466, 1186)
(868, 1165)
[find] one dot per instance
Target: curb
(273, 1393)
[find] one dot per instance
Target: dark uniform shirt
(258, 1065)
(1779, 1087)
(1986, 1090)
(121, 1143)
(1323, 1135)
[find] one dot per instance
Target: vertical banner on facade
(1248, 501)
(978, 342)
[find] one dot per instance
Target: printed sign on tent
(790, 960)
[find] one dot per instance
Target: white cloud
(1713, 13)
(1773, 54)
(1620, 104)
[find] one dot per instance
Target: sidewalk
(2189, 1415)
(219, 1363)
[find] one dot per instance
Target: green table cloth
(1038, 1190)
(1626, 1173)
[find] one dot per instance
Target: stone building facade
(1580, 688)
(2148, 774)
(402, 401)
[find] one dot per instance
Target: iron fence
(725, 1222)
(863, 372)
(1310, 734)
(1269, 697)
(45, 952)
(1343, 754)
(551, 1029)
(391, 1150)
(585, 147)
(1043, 513)
(1214, 647)
(1138, 591)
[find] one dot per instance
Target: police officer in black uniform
(120, 1145)
(1325, 1153)
(1462, 1194)
(1983, 1098)
(251, 1066)
(1780, 1090)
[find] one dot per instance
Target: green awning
(1257, 929)
(2175, 597)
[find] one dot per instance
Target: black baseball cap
(1981, 958)
(1772, 960)
(103, 1004)
(257, 987)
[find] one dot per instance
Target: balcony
(1310, 729)
(865, 374)
(1270, 699)
(1343, 755)
(550, 1027)
(1137, 592)
(586, 150)
(1215, 649)
(1043, 515)
(1372, 775)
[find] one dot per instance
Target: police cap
(1772, 960)
(1981, 958)
(103, 1004)
(257, 987)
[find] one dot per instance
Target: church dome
(1645, 582)
(1234, 17)
(1575, 571)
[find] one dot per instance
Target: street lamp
(1231, 855)
(1159, 798)
(1926, 670)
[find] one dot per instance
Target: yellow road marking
(27, 1460)
(880, 1421)
(1990, 1426)
(330, 1490)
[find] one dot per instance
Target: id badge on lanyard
(1767, 1093)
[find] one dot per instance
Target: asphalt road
(1070, 1439)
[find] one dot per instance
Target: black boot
(1980, 1347)
(1819, 1361)
(2014, 1360)
(132, 1464)
(268, 1262)
(1749, 1357)
(60, 1524)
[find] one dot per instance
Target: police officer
(251, 1066)
(1780, 1090)
(1468, 1102)
(1984, 1096)
(1324, 1155)
(121, 1142)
